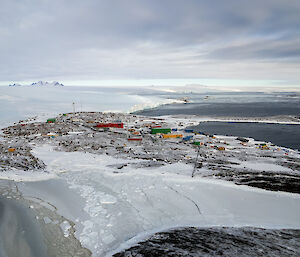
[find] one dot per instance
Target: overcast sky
(153, 39)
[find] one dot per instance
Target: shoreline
(200, 118)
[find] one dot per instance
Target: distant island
(40, 84)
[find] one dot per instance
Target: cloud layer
(134, 39)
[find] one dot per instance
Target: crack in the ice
(136, 209)
(191, 200)
(159, 209)
(17, 190)
(147, 197)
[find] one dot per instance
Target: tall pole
(196, 162)
(73, 107)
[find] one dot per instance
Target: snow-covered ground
(110, 207)
(116, 201)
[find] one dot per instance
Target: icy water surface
(20, 234)
(287, 135)
(31, 227)
(216, 109)
(241, 105)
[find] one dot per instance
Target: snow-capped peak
(15, 85)
(39, 84)
(46, 83)
(55, 83)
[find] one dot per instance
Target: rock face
(221, 241)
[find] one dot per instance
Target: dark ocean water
(286, 135)
(241, 105)
(215, 109)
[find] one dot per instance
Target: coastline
(124, 188)
(112, 207)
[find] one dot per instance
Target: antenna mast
(196, 162)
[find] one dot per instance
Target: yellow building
(172, 135)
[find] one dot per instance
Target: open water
(240, 105)
(287, 135)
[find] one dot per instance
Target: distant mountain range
(40, 84)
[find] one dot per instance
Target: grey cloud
(75, 37)
(261, 51)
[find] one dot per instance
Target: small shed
(134, 139)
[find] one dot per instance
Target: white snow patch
(263, 166)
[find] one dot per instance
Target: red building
(134, 139)
(110, 125)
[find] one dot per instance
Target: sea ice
(118, 206)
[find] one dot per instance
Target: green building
(160, 130)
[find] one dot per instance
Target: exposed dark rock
(242, 139)
(218, 241)
(269, 181)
